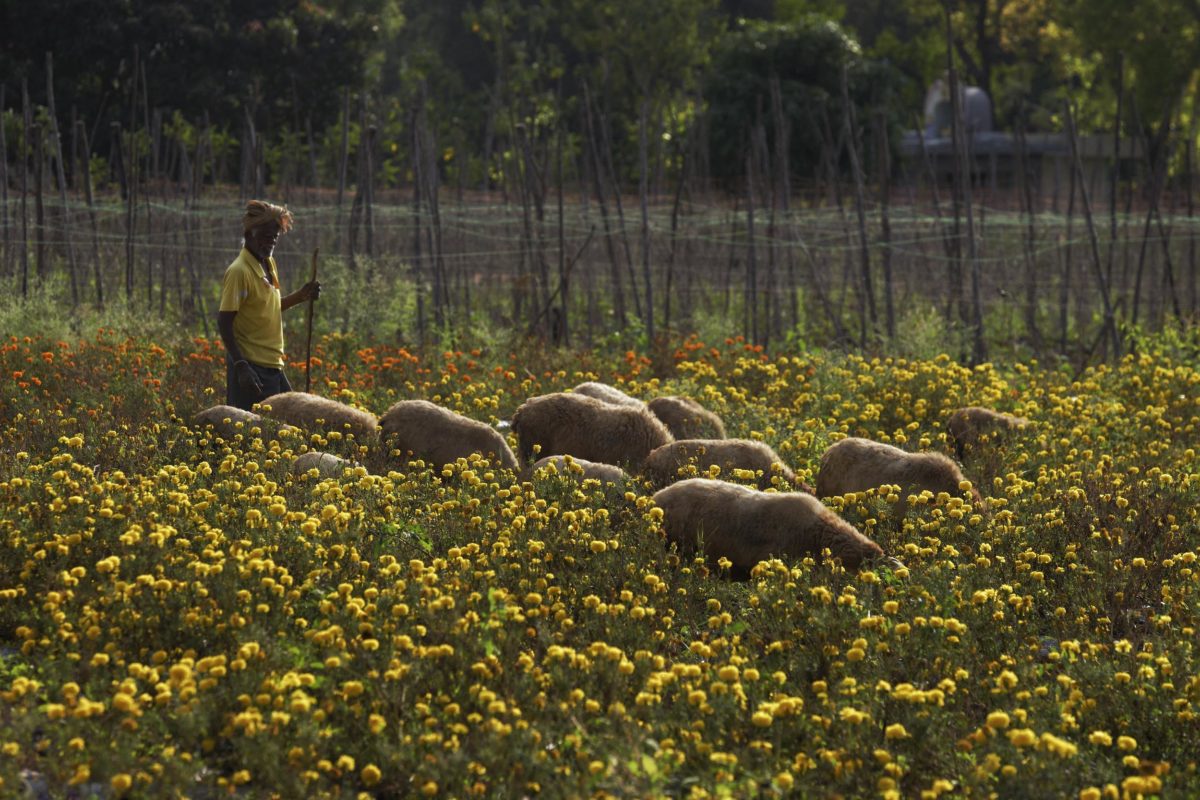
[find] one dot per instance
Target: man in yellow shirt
(251, 315)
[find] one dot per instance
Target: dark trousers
(273, 382)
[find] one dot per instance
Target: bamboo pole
(308, 328)
(1109, 319)
(869, 315)
(26, 124)
(91, 206)
(5, 258)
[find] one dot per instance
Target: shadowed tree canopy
(205, 55)
(806, 58)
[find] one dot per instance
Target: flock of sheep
(609, 435)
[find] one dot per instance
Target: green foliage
(806, 59)
(42, 312)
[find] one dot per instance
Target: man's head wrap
(259, 212)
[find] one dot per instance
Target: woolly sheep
(228, 421)
(581, 469)
(663, 464)
(225, 420)
(687, 419)
(314, 413)
(969, 425)
(573, 424)
(440, 436)
(327, 464)
(747, 526)
(855, 465)
(607, 394)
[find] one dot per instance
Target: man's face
(261, 239)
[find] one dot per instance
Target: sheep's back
(314, 413)
(433, 433)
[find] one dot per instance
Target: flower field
(182, 616)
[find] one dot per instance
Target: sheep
(572, 424)
(607, 394)
(327, 464)
(854, 465)
(440, 436)
(228, 421)
(968, 426)
(313, 413)
(747, 526)
(581, 469)
(687, 419)
(663, 464)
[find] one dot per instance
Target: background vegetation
(582, 169)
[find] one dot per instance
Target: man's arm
(241, 367)
(310, 290)
(225, 326)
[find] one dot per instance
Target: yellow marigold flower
(370, 775)
(1022, 737)
(1126, 743)
(598, 546)
(895, 731)
(345, 763)
(762, 719)
(852, 715)
(1090, 793)
(1058, 746)
(1103, 738)
(376, 723)
(429, 788)
(121, 782)
(998, 720)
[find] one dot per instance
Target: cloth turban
(259, 212)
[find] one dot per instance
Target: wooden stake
(308, 329)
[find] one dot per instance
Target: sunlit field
(182, 615)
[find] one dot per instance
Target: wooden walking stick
(308, 333)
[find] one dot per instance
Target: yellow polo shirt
(251, 292)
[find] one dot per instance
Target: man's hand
(247, 379)
(310, 291)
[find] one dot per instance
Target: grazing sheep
(687, 419)
(969, 425)
(747, 526)
(607, 394)
(855, 465)
(227, 421)
(573, 424)
(327, 464)
(663, 464)
(581, 469)
(316, 414)
(440, 436)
